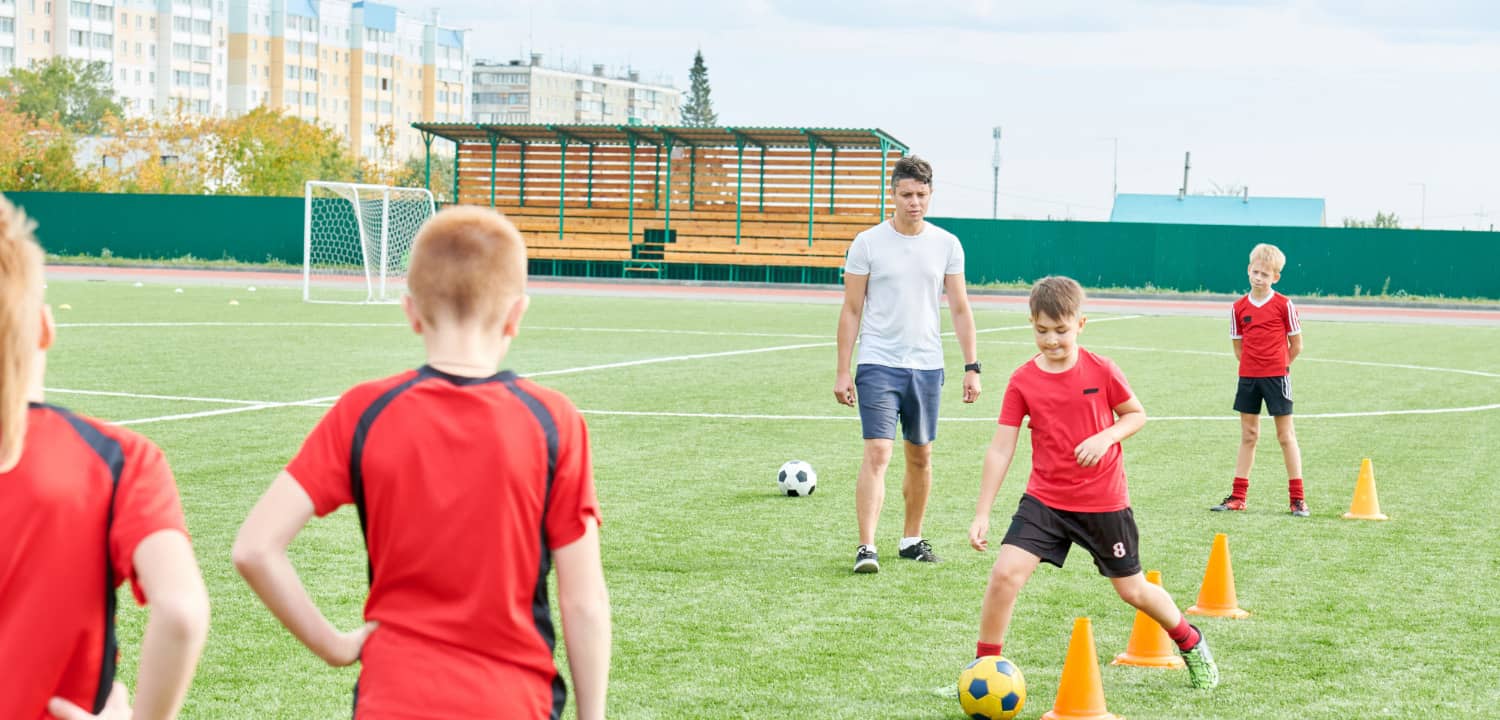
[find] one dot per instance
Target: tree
(37, 154)
(74, 93)
(265, 152)
(1382, 220)
(414, 174)
(699, 110)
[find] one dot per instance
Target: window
(291, 72)
(138, 22)
(291, 24)
(290, 96)
(310, 73)
(202, 26)
(151, 50)
(153, 23)
(7, 25)
(369, 82)
(310, 99)
(200, 80)
(254, 69)
(181, 24)
(181, 78)
(124, 17)
(181, 51)
(77, 38)
(200, 53)
(137, 49)
(138, 77)
(293, 47)
(104, 12)
(78, 9)
(47, 36)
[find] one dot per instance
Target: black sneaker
(866, 561)
(921, 552)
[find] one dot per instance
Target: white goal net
(356, 240)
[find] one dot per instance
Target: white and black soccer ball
(797, 479)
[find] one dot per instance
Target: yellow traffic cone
(1149, 644)
(1080, 692)
(1216, 596)
(1366, 505)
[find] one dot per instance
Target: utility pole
(1115, 188)
(995, 164)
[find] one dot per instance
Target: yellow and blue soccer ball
(991, 688)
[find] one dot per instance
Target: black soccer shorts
(1275, 391)
(1111, 537)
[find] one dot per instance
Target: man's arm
(260, 556)
(996, 463)
(963, 329)
(849, 317)
(583, 601)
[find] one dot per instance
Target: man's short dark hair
(913, 168)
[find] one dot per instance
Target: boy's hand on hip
(116, 708)
(349, 645)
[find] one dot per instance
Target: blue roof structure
(450, 38)
(378, 17)
(1218, 210)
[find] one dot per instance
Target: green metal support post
(562, 184)
(494, 147)
(812, 181)
(692, 178)
(427, 143)
(885, 149)
(667, 232)
(630, 193)
(523, 174)
(458, 149)
(763, 178)
(739, 187)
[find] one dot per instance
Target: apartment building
(530, 92)
(356, 67)
(162, 54)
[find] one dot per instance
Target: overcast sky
(1366, 103)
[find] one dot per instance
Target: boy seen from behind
(469, 484)
(1080, 408)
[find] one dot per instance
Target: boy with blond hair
(84, 506)
(1267, 337)
(1080, 409)
(469, 484)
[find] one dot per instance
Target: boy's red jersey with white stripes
(1262, 329)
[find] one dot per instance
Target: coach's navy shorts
(1276, 391)
(1111, 537)
(888, 394)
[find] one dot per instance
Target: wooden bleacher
(646, 197)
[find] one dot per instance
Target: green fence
(1328, 261)
(211, 227)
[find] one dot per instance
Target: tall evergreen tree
(699, 110)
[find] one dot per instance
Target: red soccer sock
(985, 648)
(1185, 635)
(1294, 488)
(1241, 488)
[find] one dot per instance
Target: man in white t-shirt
(894, 277)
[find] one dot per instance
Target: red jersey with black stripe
(59, 565)
(1262, 329)
(465, 486)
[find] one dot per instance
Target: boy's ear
(512, 326)
(414, 318)
(49, 330)
(1082, 319)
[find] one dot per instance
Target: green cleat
(1203, 672)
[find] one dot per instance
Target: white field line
(143, 396)
(1153, 418)
(1211, 353)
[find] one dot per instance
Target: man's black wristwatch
(972, 367)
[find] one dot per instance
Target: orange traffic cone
(1149, 644)
(1080, 693)
(1216, 597)
(1366, 505)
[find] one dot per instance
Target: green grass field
(731, 601)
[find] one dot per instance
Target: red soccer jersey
(55, 559)
(468, 486)
(1262, 330)
(1065, 409)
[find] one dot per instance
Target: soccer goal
(356, 240)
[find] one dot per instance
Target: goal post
(356, 240)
